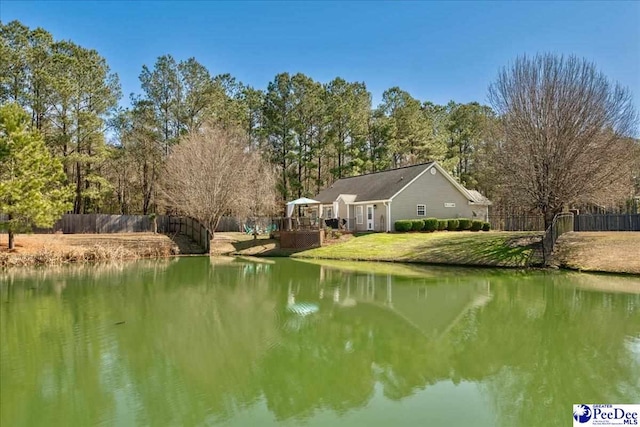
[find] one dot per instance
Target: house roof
(478, 197)
(373, 186)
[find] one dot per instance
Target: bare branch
(214, 172)
(567, 134)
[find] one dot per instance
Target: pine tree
(32, 189)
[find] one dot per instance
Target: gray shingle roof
(372, 186)
(478, 197)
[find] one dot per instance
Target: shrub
(452, 224)
(486, 226)
(430, 224)
(403, 225)
(464, 224)
(442, 224)
(417, 224)
(476, 225)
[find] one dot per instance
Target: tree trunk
(77, 207)
(12, 243)
(549, 213)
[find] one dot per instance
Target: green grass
(500, 249)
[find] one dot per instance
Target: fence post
(562, 223)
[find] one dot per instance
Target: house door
(370, 217)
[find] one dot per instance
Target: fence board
(517, 222)
(608, 222)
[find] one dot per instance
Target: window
(422, 210)
(359, 215)
(328, 213)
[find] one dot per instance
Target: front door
(370, 217)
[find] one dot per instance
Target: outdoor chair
(305, 223)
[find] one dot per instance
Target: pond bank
(57, 249)
(492, 249)
(606, 252)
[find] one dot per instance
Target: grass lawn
(606, 251)
(500, 249)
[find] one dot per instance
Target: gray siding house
(373, 202)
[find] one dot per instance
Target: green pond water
(199, 341)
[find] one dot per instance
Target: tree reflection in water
(207, 342)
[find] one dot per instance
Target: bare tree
(215, 172)
(567, 132)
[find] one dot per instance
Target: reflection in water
(194, 342)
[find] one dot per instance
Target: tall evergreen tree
(348, 108)
(278, 128)
(32, 189)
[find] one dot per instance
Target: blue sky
(436, 51)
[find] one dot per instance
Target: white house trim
(346, 198)
(369, 202)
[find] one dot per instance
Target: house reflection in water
(432, 308)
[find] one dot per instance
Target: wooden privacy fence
(608, 222)
(100, 223)
(517, 222)
(186, 226)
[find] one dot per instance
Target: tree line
(527, 152)
(311, 132)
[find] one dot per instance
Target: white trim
(369, 202)
(455, 183)
(361, 215)
(418, 209)
(346, 198)
(388, 205)
(373, 217)
(329, 212)
(412, 181)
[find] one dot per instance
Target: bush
(403, 225)
(452, 224)
(476, 225)
(417, 224)
(486, 226)
(430, 224)
(464, 224)
(442, 224)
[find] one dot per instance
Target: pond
(237, 342)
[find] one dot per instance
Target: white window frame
(359, 214)
(328, 212)
(424, 207)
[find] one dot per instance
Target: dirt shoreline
(597, 252)
(58, 249)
